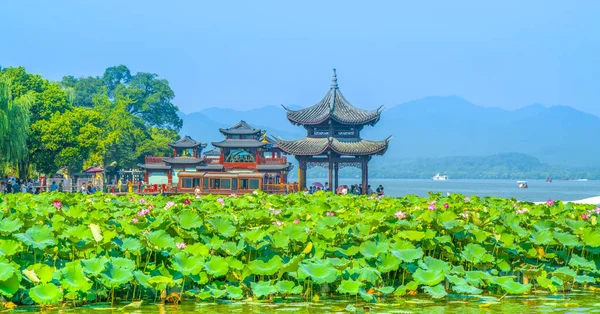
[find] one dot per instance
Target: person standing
(369, 190)
(53, 186)
(61, 186)
(83, 188)
(129, 187)
(379, 190)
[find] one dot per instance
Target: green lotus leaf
(428, 277)
(514, 287)
(371, 249)
(9, 247)
(161, 282)
(43, 272)
(7, 270)
(254, 236)
(339, 263)
(591, 237)
(565, 273)
(233, 248)
(386, 290)
(76, 233)
(191, 265)
(40, 237)
(367, 297)
(436, 292)
(585, 279)
(234, 263)
(320, 272)
(543, 237)
(189, 219)
(94, 266)
(476, 254)
(217, 266)
(161, 239)
(546, 283)
(368, 274)
(435, 264)
(216, 293)
(291, 266)
(567, 239)
(295, 233)
(11, 285)
(131, 245)
(10, 225)
(579, 262)
(259, 267)
(234, 293)
(411, 235)
(45, 294)
(280, 240)
(408, 255)
(224, 226)
(262, 288)
(198, 249)
(350, 251)
(73, 278)
(349, 287)
(288, 287)
(142, 279)
(123, 263)
(115, 276)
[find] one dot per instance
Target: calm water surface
(538, 190)
(570, 303)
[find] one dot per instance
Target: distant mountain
(435, 127)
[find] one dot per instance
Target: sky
(250, 54)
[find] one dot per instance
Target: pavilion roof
(333, 106)
(182, 160)
(155, 166)
(229, 143)
(213, 152)
(261, 167)
(240, 128)
(317, 146)
(186, 142)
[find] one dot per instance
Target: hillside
(435, 127)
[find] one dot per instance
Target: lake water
(538, 190)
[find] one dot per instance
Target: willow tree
(14, 124)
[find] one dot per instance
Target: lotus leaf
(187, 265)
(9, 247)
(591, 237)
(320, 272)
(217, 266)
(189, 220)
(224, 226)
(513, 287)
(96, 232)
(436, 292)
(565, 273)
(371, 249)
(7, 270)
(142, 278)
(45, 294)
(435, 264)
(262, 288)
(40, 237)
(287, 287)
(10, 225)
(42, 272)
(115, 276)
(259, 267)
(476, 254)
(131, 244)
(349, 287)
(198, 249)
(123, 263)
(11, 285)
(581, 263)
(73, 278)
(234, 292)
(408, 255)
(161, 239)
(428, 277)
(94, 266)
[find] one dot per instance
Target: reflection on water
(575, 302)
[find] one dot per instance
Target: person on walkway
(129, 187)
(369, 190)
(30, 186)
(53, 186)
(379, 190)
(61, 185)
(89, 187)
(84, 188)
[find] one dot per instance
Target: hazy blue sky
(248, 54)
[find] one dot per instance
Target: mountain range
(437, 127)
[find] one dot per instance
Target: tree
(14, 124)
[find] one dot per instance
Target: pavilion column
(365, 174)
(301, 175)
(330, 168)
(336, 166)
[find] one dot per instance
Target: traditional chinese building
(333, 138)
(187, 154)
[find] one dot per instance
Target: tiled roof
(182, 160)
(274, 167)
(241, 128)
(213, 152)
(209, 167)
(333, 106)
(154, 166)
(229, 143)
(318, 146)
(186, 142)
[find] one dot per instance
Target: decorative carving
(313, 164)
(354, 164)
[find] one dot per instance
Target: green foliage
(236, 252)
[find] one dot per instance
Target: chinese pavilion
(164, 170)
(333, 139)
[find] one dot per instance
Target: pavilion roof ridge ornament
(334, 82)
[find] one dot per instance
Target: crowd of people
(14, 185)
(356, 189)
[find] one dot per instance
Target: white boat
(438, 177)
(522, 184)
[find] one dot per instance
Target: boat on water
(549, 180)
(522, 184)
(439, 177)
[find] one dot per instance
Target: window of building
(205, 184)
(234, 183)
(254, 184)
(186, 183)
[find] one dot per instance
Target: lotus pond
(318, 252)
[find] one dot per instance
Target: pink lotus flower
(142, 201)
(585, 216)
(132, 199)
(221, 201)
(378, 198)
(151, 207)
(134, 220)
(465, 214)
(186, 202)
(400, 215)
(431, 206)
(330, 214)
(296, 221)
(278, 223)
(198, 196)
(277, 212)
(446, 206)
(57, 204)
(550, 202)
(181, 245)
(467, 199)
(521, 211)
(169, 204)
(141, 213)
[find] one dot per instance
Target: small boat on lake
(522, 184)
(439, 177)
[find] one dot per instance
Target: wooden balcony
(272, 161)
(154, 160)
